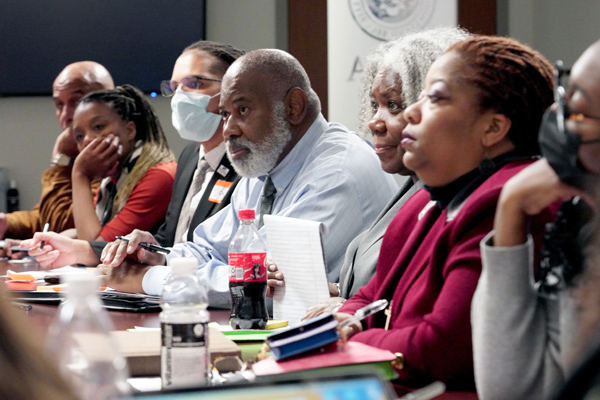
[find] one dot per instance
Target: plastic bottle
(80, 340)
(248, 276)
(12, 197)
(184, 328)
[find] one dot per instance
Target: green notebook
(247, 335)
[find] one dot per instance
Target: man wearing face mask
(526, 336)
(205, 178)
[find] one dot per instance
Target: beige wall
(28, 125)
(559, 29)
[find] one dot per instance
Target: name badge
(219, 191)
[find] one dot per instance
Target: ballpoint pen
(364, 312)
(43, 242)
(148, 246)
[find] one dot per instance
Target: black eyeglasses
(193, 82)
(563, 114)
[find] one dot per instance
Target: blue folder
(310, 335)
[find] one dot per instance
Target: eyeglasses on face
(192, 82)
(563, 114)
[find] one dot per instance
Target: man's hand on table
(116, 252)
(127, 277)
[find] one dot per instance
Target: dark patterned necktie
(266, 202)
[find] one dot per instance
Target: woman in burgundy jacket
(474, 126)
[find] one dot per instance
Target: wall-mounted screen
(138, 41)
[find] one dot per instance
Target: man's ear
(295, 102)
(498, 126)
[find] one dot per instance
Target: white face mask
(190, 117)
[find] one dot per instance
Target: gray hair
(284, 72)
(410, 56)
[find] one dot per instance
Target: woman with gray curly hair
(392, 79)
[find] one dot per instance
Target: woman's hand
(327, 306)
(100, 158)
(58, 250)
(114, 253)
(274, 278)
(526, 194)
(350, 330)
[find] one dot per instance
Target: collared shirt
(331, 176)
(213, 158)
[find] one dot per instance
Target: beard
(262, 156)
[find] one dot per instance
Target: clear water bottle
(80, 340)
(184, 328)
(248, 276)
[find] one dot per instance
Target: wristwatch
(61, 160)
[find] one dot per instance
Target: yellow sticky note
(274, 324)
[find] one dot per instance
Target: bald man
(55, 206)
(274, 131)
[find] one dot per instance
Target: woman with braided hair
(120, 130)
(473, 127)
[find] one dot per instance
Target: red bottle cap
(246, 214)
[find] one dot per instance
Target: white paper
(295, 246)
(40, 275)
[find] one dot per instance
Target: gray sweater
(517, 334)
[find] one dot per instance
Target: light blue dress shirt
(331, 176)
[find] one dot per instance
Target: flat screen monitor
(138, 41)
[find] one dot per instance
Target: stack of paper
(295, 246)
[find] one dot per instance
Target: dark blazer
(186, 165)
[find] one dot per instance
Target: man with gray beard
(274, 131)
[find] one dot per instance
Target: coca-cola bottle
(248, 276)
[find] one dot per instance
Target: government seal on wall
(388, 19)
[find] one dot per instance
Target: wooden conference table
(41, 316)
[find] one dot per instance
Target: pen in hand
(43, 242)
(148, 246)
(364, 312)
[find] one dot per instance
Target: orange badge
(219, 191)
